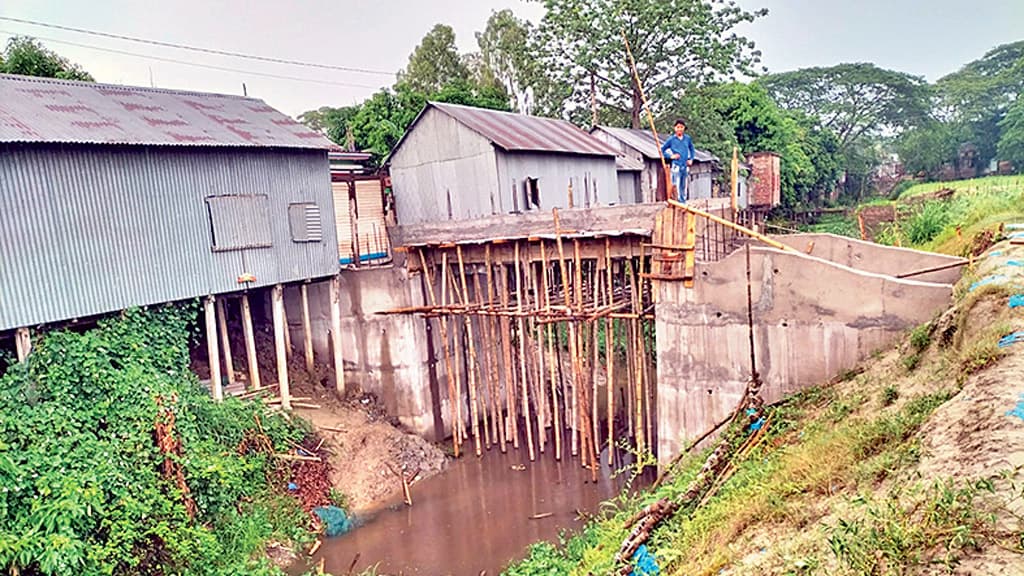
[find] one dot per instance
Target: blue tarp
(646, 563)
(336, 522)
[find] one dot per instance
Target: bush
(86, 488)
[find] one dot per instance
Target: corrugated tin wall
(592, 176)
(442, 159)
(87, 230)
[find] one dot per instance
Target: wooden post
(280, 346)
(474, 408)
(336, 348)
(609, 351)
(502, 436)
(510, 373)
(487, 382)
(638, 365)
(222, 324)
(287, 330)
(520, 293)
(250, 343)
(447, 351)
(552, 359)
(456, 394)
(735, 227)
(572, 330)
(212, 352)
(307, 329)
(735, 181)
(23, 343)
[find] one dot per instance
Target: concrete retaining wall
(813, 319)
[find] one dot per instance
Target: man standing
(679, 149)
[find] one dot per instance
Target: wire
(198, 65)
(196, 48)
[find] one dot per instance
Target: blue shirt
(682, 146)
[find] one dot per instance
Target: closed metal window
(239, 221)
(304, 222)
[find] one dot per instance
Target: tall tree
(1011, 140)
(335, 123)
(676, 44)
(27, 56)
(978, 96)
(505, 54)
(856, 101)
(434, 62)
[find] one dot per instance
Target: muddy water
(474, 517)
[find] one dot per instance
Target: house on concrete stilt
(113, 197)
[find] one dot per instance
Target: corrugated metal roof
(519, 132)
(643, 142)
(627, 164)
(64, 111)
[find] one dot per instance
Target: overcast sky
(929, 38)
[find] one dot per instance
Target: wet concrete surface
(475, 517)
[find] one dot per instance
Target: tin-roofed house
(113, 197)
(460, 163)
(637, 149)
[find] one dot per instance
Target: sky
(928, 38)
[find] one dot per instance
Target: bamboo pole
(336, 348)
(510, 372)
(576, 355)
(646, 384)
(222, 325)
(280, 328)
(307, 329)
(474, 408)
(522, 357)
(572, 329)
(638, 397)
(536, 333)
(447, 352)
(555, 420)
(287, 329)
(536, 378)
(485, 381)
(609, 351)
(735, 227)
(212, 351)
(498, 413)
(250, 344)
(588, 443)
(453, 375)
(734, 178)
(595, 420)
(458, 424)
(23, 343)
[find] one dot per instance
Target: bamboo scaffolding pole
(522, 357)
(572, 329)
(595, 421)
(250, 344)
(474, 364)
(307, 329)
(460, 369)
(609, 351)
(510, 372)
(499, 414)
(448, 364)
(735, 227)
(646, 383)
(552, 360)
(287, 330)
(638, 415)
(535, 344)
(486, 381)
(579, 357)
(222, 325)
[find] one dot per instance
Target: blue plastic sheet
(1013, 338)
(995, 279)
(335, 521)
(1014, 263)
(1018, 410)
(1017, 301)
(995, 253)
(646, 563)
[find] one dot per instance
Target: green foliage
(921, 336)
(927, 222)
(926, 148)
(27, 56)
(1011, 138)
(677, 44)
(434, 62)
(507, 55)
(335, 123)
(83, 491)
(907, 526)
(857, 101)
(890, 394)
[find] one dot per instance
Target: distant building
(115, 196)
(461, 163)
(641, 173)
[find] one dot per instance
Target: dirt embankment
(366, 448)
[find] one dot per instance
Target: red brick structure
(765, 187)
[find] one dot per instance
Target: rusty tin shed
(460, 163)
(115, 196)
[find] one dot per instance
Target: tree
(506, 56)
(856, 101)
(1011, 142)
(28, 57)
(978, 96)
(334, 123)
(927, 148)
(676, 43)
(434, 62)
